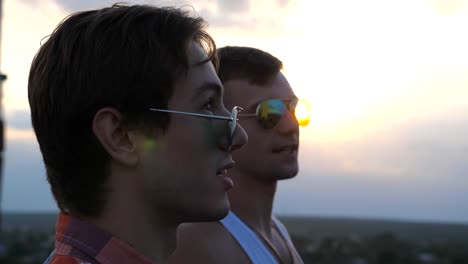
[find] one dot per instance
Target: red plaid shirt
(79, 242)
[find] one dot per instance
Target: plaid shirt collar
(85, 241)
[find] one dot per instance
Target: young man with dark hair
(250, 234)
(128, 112)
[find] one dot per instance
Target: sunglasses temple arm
(192, 114)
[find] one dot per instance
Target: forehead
(241, 92)
(198, 78)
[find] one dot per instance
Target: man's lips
(288, 148)
(222, 172)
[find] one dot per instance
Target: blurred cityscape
(385, 248)
(319, 241)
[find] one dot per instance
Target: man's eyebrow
(208, 86)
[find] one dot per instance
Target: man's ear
(114, 136)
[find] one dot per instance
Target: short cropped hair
(126, 57)
(254, 65)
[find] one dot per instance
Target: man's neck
(143, 229)
(252, 200)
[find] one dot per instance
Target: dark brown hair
(126, 57)
(254, 65)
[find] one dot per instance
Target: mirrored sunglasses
(270, 112)
(231, 124)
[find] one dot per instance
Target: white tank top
(250, 242)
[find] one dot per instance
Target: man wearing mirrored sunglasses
(250, 233)
(128, 112)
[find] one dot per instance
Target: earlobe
(114, 136)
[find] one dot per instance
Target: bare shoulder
(206, 243)
(282, 226)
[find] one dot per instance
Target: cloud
(74, 6)
(239, 6)
(433, 147)
(283, 3)
(414, 170)
(264, 16)
(242, 14)
(230, 20)
(223, 6)
(33, 3)
(428, 146)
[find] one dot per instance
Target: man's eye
(209, 106)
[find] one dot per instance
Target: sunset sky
(387, 82)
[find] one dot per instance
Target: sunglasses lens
(269, 112)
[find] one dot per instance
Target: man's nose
(239, 138)
(233, 141)
(288, 124)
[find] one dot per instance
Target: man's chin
(209, 214)
(287, 172)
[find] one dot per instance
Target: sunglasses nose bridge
(231, 125)
(237, 137)
(227, 128)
